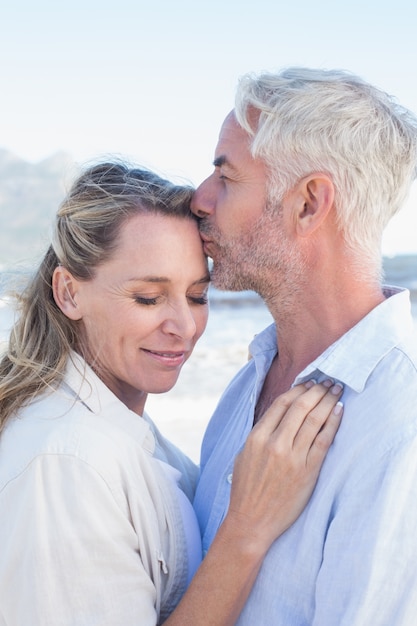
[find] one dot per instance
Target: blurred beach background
(153, 81)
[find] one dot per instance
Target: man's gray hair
(331, 121)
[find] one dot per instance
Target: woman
(95, 505)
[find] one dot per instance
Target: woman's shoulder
(61, 427)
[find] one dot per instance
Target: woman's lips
(167, 357)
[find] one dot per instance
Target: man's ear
(315, 199)
(64, 288)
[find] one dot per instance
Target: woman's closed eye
(147, 301)
(198, 299)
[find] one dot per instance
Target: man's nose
(203, 201)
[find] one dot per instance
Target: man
(309, 168)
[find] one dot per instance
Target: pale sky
(153, 80)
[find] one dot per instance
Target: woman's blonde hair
(85, 234)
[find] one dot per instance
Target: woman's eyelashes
(146, 301)
(201, 299)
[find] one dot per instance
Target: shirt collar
(352, 358)
(82, 383)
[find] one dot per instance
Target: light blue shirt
(351, 558)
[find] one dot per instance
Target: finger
(301, 410)
(316, 418)
(271, 419)
(325, 437)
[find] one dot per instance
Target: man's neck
(311, 318)
(307, 330)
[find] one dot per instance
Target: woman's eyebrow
(166, 279)
(203, 280)
(149, 279)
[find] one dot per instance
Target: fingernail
(336, 389)
(310, 383)
(338, 408)
(328, 383)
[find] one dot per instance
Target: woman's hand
(273, 479)
(275, 474)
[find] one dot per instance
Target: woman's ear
(64, 289)
(316, 198)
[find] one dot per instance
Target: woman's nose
(181, 322)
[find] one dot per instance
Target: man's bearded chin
(230, 268)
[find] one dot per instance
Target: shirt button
(229, 478)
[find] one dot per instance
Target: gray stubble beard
(260, 260)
